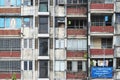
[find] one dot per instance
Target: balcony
(75, 53)
(102, 52)
(76, 32)
(11, 11)
(10, 32)
(102, 7)
(76, 75)
(76, 11)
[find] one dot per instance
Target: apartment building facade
(60, 39)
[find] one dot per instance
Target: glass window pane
(26, 22)
(43, 47)
(62, 44)
(43, 25)
(27, 2)
(57, 44)
(2, 3)
(43, 7)
(30, 65)
(13, 2)
(18, 2)
(25, 43)
(18, 22)
(30, 43)
(43, 69)
(7, 22)
(2, 23)
(74, 66)
(25, 65)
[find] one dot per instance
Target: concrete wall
(60, 32)
(60, 54)
(60, 75)
(117, 6)
(96, 42)
(60, 11)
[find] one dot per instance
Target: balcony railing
(101, 23)
(102, 6)
(77, 10)
(108, 29)
(10, 53)
(102, 51)
(76, 31)
(9, 75)
(10, 10)
(10, 32)
(76, 75)
(76, 53)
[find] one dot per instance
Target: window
(27, 65)
(13, 44)
(76, 1)
(10, 2)
(77, 44)
(77, 23)
(118, 63)
(69, 65)
(106, 42)
(59, 65)
(58, 2)
(43, 6)
(43, 46)
(27, 22)
(2, 22)
(28, 2)
(76, 66)
(101, 20)
(59, 20)
(27, 43)
(117, 42)
(43, 25)
(118, 18)
(15, 22)
(60, 43)
(10, 66)
(43, 69)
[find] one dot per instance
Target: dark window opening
(59, 21)
(77, 24)
(69, 65)
(118, 63)
(107, 42)
(43, 69)
(43, 24)
(43, 47)
(101, 20)
(43, 6)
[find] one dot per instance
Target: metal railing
(101, 23)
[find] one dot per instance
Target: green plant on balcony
(91, 63)
(85, 55)
(14, 76)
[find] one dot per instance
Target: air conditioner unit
(61, 2)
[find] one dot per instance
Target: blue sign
(101, 72)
